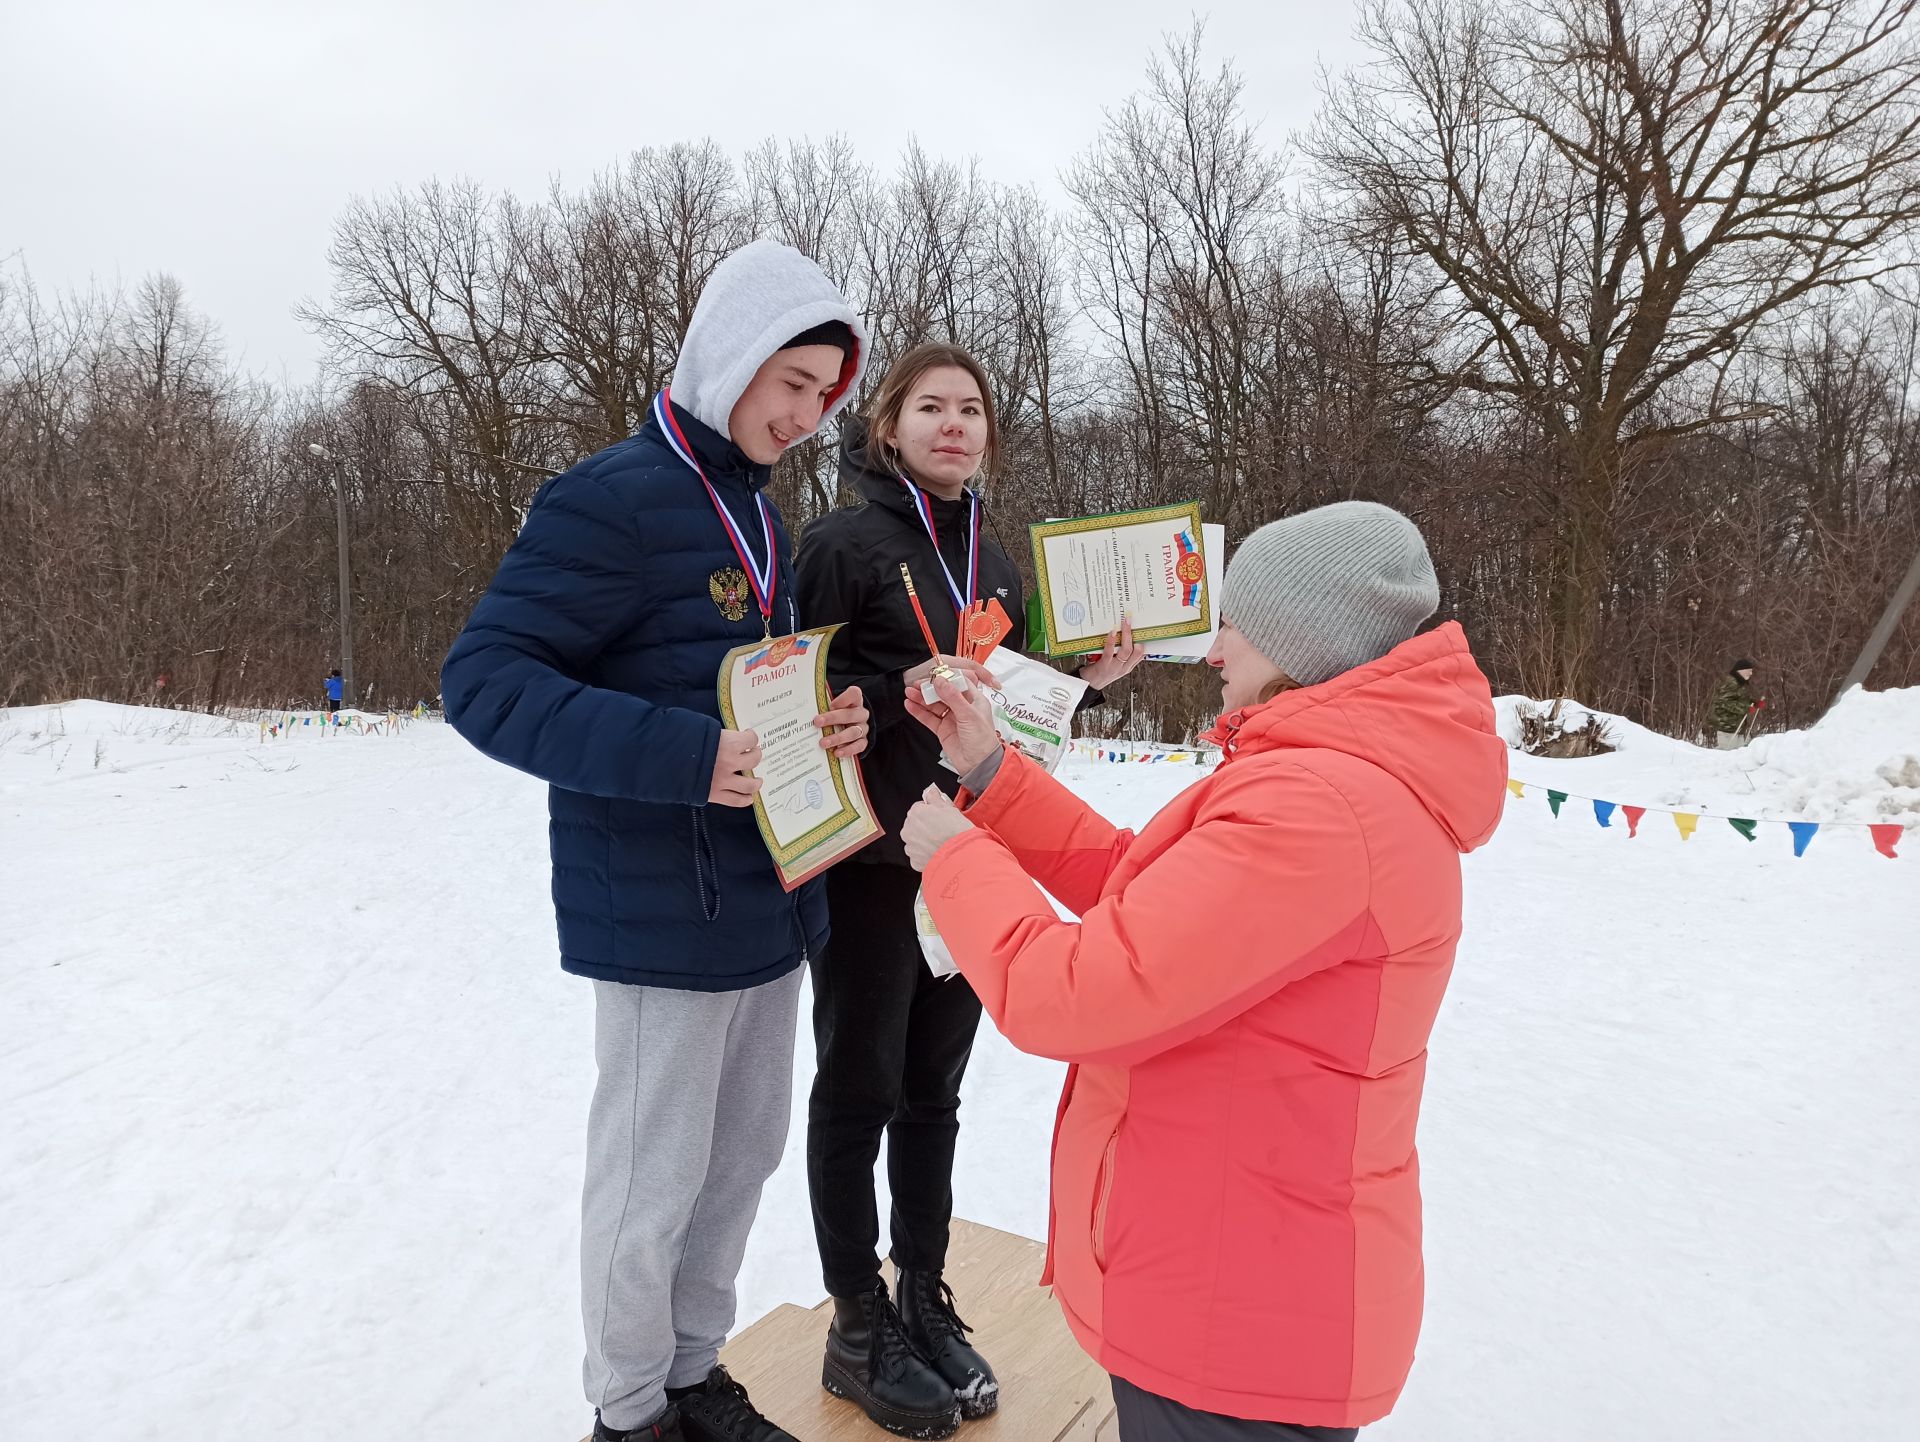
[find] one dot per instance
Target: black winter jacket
(848, 570)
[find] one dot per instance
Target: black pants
(1148, 1417)
(892, 1043)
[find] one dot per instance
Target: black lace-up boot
(719, 1410)
(872, 1362)
(927, 1309)
(666, 1428)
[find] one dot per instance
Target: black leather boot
(871, 1361)
(926, 1307)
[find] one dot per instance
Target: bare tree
(1618, 193)
(1582, 288)
(1179, 223)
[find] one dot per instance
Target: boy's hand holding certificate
(1095, 572)
(812, 805)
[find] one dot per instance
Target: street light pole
(346, 576)
(1876, 643)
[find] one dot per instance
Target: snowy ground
(294, 1092)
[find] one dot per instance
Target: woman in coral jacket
(1247, 995)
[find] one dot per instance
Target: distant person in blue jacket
(336, 687)
(592, 662)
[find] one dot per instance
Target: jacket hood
(859, 469)
(756, 300)
(1423, 713)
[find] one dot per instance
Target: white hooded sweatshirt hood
(756, 300)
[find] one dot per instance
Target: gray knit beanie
(1330, 589)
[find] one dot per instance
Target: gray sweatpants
(689, 1120)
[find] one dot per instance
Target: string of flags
(1093, 748)
(1885, 835)
(335, 724)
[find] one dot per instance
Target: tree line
(1613, 297)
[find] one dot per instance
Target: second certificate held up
(1145, 566)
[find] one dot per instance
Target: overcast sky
(217, 141)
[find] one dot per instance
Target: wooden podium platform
(1050, 1391)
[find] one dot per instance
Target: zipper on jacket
(1053, 1158)
(1103, 1194)
(706, 871)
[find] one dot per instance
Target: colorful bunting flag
(1886, 836)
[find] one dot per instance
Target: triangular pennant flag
(1886, 837)
(1603, 812)
(1686, 821)
(1745, 827)
(1633, 815)
(1802, 835)
(1554, 798)
(1518, 788)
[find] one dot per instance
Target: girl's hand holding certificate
(1119, 657)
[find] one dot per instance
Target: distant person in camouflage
(1733, 707)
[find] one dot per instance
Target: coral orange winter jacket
(1246, 999)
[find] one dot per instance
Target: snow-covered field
(294, 1091)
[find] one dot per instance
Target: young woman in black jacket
(892, 1041)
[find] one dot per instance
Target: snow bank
(1859, 763)
(90, 720)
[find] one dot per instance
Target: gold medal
(982, 630)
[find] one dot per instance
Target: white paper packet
(939, 959)
(1034, 707)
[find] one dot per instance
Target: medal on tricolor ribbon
(982, 631)
(923, 508)
(759, 577)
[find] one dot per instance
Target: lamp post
(346, 578)
(1897, 604)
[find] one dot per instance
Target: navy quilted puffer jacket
(592, 660)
